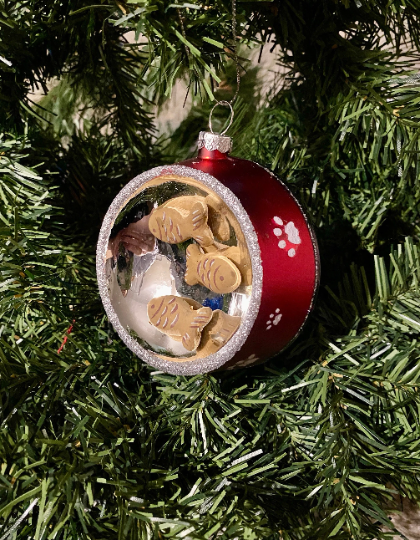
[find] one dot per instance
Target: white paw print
(291, 232)
(250, 360)
(274, 319)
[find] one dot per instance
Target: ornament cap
(214, 141)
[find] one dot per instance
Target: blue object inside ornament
(214, 303)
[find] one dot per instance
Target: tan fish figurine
(238, 255)
(214, 271)
(218, 332)
(179, 318)
(218, 217)
(180, 219)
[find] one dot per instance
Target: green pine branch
(318, 442)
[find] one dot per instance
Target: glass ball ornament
(207, 264)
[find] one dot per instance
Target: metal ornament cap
(214, 141)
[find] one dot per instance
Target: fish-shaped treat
(214, 271)
(180, 318)
(218, 332)
(218, 217)
(239, 255)
(180, 219)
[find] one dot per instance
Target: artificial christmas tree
(318, 442)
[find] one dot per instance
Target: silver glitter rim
(213, 361)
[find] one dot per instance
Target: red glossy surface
(289, 282)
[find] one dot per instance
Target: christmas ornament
(207, 264)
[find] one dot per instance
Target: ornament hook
(224, 104)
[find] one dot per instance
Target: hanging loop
(224, 104)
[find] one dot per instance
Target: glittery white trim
(213, 361)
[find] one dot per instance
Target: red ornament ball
(207, 264)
